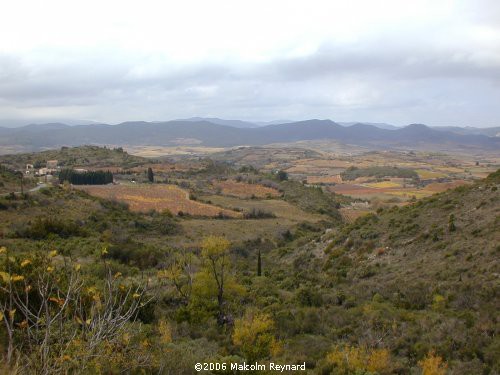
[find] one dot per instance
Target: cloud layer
(431, 62)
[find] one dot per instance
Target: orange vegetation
(144, 197)
(336, 179)
(244, 190)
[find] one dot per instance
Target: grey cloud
(381, 79)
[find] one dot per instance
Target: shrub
(41, 228)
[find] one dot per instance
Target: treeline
(86, 178)
(352, 173)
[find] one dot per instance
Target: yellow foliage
(25, 262)
(214, 246)
(351, 359)
(433, 364)
(5, 277)
(253, 334)
(53, 253)
(165, 331)
(378, 360)
(438, 302)
(3, 250)
(126, 338)
(50, 269)
(17, 278)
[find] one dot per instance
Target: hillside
(415, 279)
(84, 156)
(210, 134)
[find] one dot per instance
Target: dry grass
(236, 230)
(426, 174)
(144, 197)
(384, 185)
(281, 209)
(244, 190)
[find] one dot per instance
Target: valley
(342, 250)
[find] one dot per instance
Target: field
(426, 174)
(279, 208)
(326, 180)
(143, 198)
(244, 190)
(236, 230)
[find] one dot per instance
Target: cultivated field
(326, 180)
(145, 197)
(244, 190)
(277, 207)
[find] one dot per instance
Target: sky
(400, 62)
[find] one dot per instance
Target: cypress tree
(151, 176)
(259, 264)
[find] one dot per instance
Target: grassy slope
(402, 279)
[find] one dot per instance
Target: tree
(86, 178)
(282, 175)
(259, 264)
(180, 273)
(215, 252)
(151, 176)
(254, 336)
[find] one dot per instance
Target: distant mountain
(469, 130)
(218, 121)
(274, 122)
(381, 125)
(182, 132)
(16, 123)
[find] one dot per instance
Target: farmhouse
(51, 164)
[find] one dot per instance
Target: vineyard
(144, 198)
(244, 190)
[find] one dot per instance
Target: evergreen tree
(86, 178)
(259, 264)
(151, 176)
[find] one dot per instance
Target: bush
(258, 214)
(41, 228)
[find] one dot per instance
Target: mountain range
(227, 133)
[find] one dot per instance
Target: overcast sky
(433, 62)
